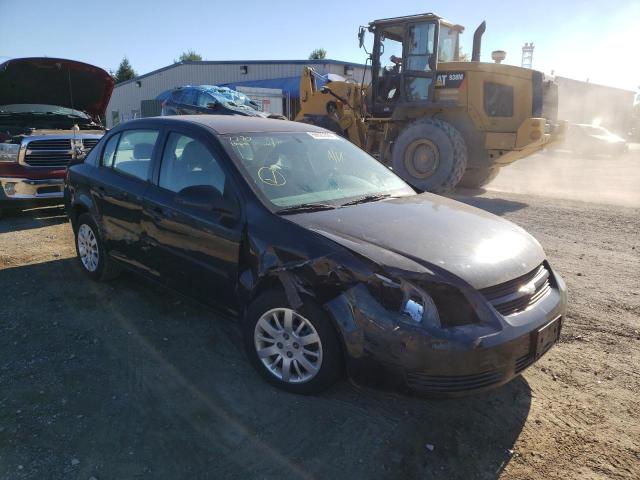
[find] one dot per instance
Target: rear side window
(205, 99)
(187, 162)
(109, 151)
(498, 100)
(133, 154)
(189, 96)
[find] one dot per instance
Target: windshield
(296, 168)
(447, 44)
(41, 109)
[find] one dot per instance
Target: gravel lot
(125, 380)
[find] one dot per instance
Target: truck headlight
(9, 152)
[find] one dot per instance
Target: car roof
(229, 124)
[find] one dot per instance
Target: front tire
(478, 177)
(92, 254)
(296, 350)
(431, 155)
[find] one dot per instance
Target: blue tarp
(288, 85)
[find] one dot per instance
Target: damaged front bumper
(384, 350)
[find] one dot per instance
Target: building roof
(242, 62)
(232, 124)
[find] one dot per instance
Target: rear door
(195, 251)
(188, 100)
(124, 173)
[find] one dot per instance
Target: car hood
(55, 81)
(474, 245)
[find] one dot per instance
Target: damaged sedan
(331, 262)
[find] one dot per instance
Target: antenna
(527, 55)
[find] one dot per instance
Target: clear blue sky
(576, 38)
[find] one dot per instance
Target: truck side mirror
(361, 37)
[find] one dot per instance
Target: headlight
(9, 152)
(413, 301)
(409, 300)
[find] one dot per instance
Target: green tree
(125, 71)
(189, 56)
(318, 54)
(462, 56)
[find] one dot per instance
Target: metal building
(284, 75)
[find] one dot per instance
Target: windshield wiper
(306, 207)
(367, 198)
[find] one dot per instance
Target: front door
(118, 190)
(420, 58)
(194, 250)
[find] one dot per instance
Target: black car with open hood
(51, 112)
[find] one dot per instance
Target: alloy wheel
(288, 345)
(88, 248)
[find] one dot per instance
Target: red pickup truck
(50, 114)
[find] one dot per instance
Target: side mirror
(207, 198)
(361, 37)
(212, 105)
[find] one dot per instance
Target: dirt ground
(125, 380)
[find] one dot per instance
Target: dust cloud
(562, 173)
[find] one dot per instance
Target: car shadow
(140, 381)
(32, 218)
(497, 206)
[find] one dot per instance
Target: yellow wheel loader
(437, 121)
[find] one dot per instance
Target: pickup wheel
(297, 350)
(92, 254)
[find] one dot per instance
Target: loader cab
(405, 56)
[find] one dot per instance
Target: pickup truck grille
(89, 143)
(521, 293)
(54, 152)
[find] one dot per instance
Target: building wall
(584, 102)
(127, 96)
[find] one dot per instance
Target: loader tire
(477, 177)
(431, 155)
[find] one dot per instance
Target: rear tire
(92, 254)
(311, 367)
(431, 155)
(478, 177)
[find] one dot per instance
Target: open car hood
(55, 81)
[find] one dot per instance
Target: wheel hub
(88, 248)
(422, 158)
(288, 345)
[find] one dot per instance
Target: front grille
(519, 294)
(89, 143)
(49, 153)
(523, 362)
(52, 144)
(453, 383)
